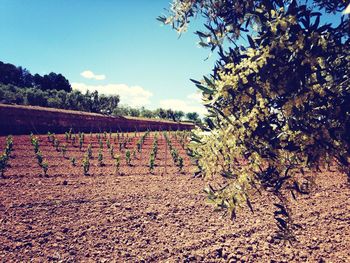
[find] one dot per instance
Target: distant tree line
(19, 86)
(73, 100)
(158, 113)
(21, 77)
(89, 102)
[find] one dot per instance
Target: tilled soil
(136, 216)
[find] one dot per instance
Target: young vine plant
(178, 160)
(4, 157)
(39, 156)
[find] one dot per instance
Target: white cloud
(88, 74)
(347, 10)
(191, 104)
(137, 96)
(134, 96)
(195, 96)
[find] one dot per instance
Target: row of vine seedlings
(116, 157)
(178, 160)
(71, 137)
(182, 138)
(39, 156)
(153, 153)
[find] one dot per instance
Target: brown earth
(23, 119)
(161, 217)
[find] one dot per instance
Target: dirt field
(141, 217)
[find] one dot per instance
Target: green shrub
(128, 157)
(117, 164)
(9, 145)
(180, 163)
(35, 142)
(100, 157)
(86, 165)
(56, 144)
(81, 141)
(89, 151)
(4, 157)
(151, 162)
(44, 165)
(64, 150)
(3, 163)
(111, 151)
(39, 157)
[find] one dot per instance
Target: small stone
(244, 258)
(254, 255)
(302, 255)
(269, 239)
(217, 253)
(239, 251)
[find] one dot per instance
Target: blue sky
(119, 41)
(118, 46)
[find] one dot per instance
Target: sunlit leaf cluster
(278, 97)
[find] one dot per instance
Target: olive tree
(278, 97)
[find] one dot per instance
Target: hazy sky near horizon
(112, 46)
